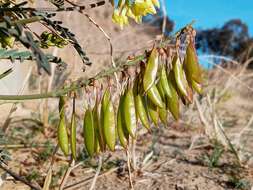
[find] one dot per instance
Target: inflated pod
(197, 87)
(104, 103)
(173, 101)
(164, 81)
(182, 84)
(62, 135)
(121, 125)
(191, 65)
(89, 132)
(61, 106)
(73, 135)
(154, 95)
(109, 126)
(160, 90)
(179, 74)
(105, 100)
(163, 115)
(130, 113)
(62, 132)
(151, 70)
(98, 132)
(141, 111)
(153, 112)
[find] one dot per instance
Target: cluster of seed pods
(155, 91)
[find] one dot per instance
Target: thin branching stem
(84, 82)
(75, 85)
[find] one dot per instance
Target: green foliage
(213, 159)
(32, 175)
(14, 30)
(238, 183)
(45, 154)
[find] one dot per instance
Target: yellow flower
(143, 7)
(120, 17)
(130, 14)
(134, 9)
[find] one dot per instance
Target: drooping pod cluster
(160, 83)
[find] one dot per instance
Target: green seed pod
(98, 139)
(153, 112)
(197, 87)
(61, 105)
(141, 111)
(63, 136)
(73, 135)
(163, 115)
(164, 81)
(150, 70)
(173, 102)
(121, 125)
(180, 78)
(191, 65)
(109, 127)
(62, 132)
(105, 99)
(130, 113)
(89, 132)
(154, 96)
(104, 103)
(161, 90)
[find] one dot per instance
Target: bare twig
(87, 180)
(133, 154)
(15, 146)
(66, 175)
(239, 135)
(19, 178)
(231, 75)
(208, 127)
(100, 162)
(129, 170)
(14, 105)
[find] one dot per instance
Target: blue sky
(209, 13)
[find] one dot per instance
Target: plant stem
(100, 163)
(23, 21)
(84, 82)
(129, 170)
(75, 85)
(19, 178)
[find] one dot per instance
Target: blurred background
(225, 28)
